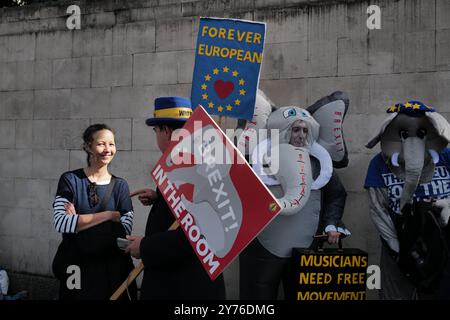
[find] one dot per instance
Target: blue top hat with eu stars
(170, 110)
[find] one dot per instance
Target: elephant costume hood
(284, 117)
(411, 139)
(439, 122)
(295, 180)
(324, 120)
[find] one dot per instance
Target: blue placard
(227, 65)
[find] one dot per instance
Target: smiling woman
(92, 208)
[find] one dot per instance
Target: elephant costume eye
(421, 133)
(289, 113)
(403, 134)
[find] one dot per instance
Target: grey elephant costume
(412, 169)
(266, 261)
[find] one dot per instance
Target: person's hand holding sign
(333, 237)
(146, 196)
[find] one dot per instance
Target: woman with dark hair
(92, 209)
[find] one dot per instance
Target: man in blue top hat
(172, 270)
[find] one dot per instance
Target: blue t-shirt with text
(379, 176)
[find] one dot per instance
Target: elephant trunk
(414, 155)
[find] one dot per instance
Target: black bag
(67, 254)
(100, 240)
(423, 251)
(329, 273)
(97, 240)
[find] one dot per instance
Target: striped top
(73, 187)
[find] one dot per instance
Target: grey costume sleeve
(379, 213)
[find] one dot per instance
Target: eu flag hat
(169, 110)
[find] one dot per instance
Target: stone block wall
(55, 82)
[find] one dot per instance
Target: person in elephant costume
(408, 185)
(309, 191)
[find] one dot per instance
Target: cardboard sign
(219, 201)
(227, 66)
(329, 274)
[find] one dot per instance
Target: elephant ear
(373, 142)
(442, 128)
(249, 137)
(329, 112)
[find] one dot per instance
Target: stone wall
(55, 82)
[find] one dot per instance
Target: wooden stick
(221, 121)
(133, 275)
(135, 272)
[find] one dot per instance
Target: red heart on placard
(223, 89)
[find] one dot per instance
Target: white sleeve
(127, 221)
(379, 213)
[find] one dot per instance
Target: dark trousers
(261, 272)
(395, 286)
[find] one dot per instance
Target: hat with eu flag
(170, 110)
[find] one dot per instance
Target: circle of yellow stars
(216, 71)
(413, 106)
